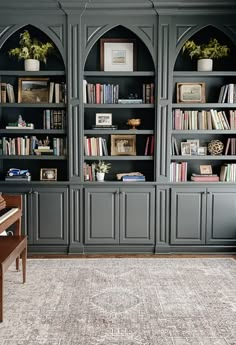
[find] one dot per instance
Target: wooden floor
(153, 256)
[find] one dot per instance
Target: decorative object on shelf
(101, 169)
(123, 145)
(33, 90)
(118, 54)
(43, 147)
(205, 169)
(48, 174)
(185, 148)
(20, 124)
(32, 51)
(194, 145)
(202, 151)
(103, 119)
(18, 175)
(191, 93)
(215, 147)
(134, 123)
(206, 52)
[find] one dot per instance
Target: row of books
(57, 92)
(95, 146)
(203, 119)
(230, 148)
(89, 172)
(178, 171)
(54, 119)
(148, 93)
(227, 93)
(149, 146)
(228, 172)
(100, 93)
(7, 93)
(25, 146)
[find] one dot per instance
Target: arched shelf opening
(144, 58)
(185, 63)
(54, 60)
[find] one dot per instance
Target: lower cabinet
(203, 216)
(119, 215)
(49, 216)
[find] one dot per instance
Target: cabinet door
(49, 215)
(188, 215)
(221, 216)
(76, 207)
(137, 215)
(101, 216)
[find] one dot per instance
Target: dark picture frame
(118, 54)
(48, 174)
(33, 90)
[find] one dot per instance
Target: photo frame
(191, 93)
(194, 145)
(202, 151)
(118, 54)
(33, 90)
(185, 148)
(103, 119)
(123, 145)
(205, 169)
(48, 174)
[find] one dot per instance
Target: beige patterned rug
(138, 301)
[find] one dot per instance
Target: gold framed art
(123, 145)
(33, 90)
(191, 93)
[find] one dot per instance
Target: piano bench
(11, 248)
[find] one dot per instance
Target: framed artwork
(48, 174)
(185, 149)
(123, 145)
(205, 169)
(33, 90)
(103, 119)
(194, 145)
(202, 151)
(191, 93)
(118, 54)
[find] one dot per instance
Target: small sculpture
(215, 147)
(134, 123)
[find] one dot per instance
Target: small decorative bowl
(134, 123)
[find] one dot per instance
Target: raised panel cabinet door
(50, 218)
(221, 216)
(101, 216)
(137, 215)
(188, 215)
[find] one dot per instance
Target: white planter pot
(31, 65)
(100, 176)
(204, 65)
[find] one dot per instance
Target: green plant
(211, 50)
(31, 48)
(102, 167)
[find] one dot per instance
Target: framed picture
(48, 174)
(202, 151)
(33, 90)
(117, 54)
(191, 93)
(194, 145)
(205, 169)
(103, 119)
(123, 145)
(185, 149)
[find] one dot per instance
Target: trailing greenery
(211, 50)
(102, 167)
(31, 48)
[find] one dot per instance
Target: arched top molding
(54, 33)
(93, 34)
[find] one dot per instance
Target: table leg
(23, 256)
(1, 293)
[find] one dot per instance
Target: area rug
(111, 301)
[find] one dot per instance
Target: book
(130, 101)
(138, 178)
(203, 178)
(10, 93)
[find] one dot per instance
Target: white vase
(31, 65)
(204, 65)
(100, 176)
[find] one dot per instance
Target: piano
(10, 213)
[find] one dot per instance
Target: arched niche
(144, 58)
(185, 63)
(54, 60)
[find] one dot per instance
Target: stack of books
(205, 178)
(133, 178)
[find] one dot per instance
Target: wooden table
(11, 248)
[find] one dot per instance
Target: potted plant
(205, 53)
(102, 168)
(32, 51)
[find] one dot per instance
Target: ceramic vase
(100, 176)
(31, 65)
(204, 65)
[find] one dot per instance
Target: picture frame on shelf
(118, 54)
(191, 93)
(205, 169)
(202, 151)
(48, 174)
(33, 90)
(103, 119)
(185, 148)
(123, 145)
(194, 145)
